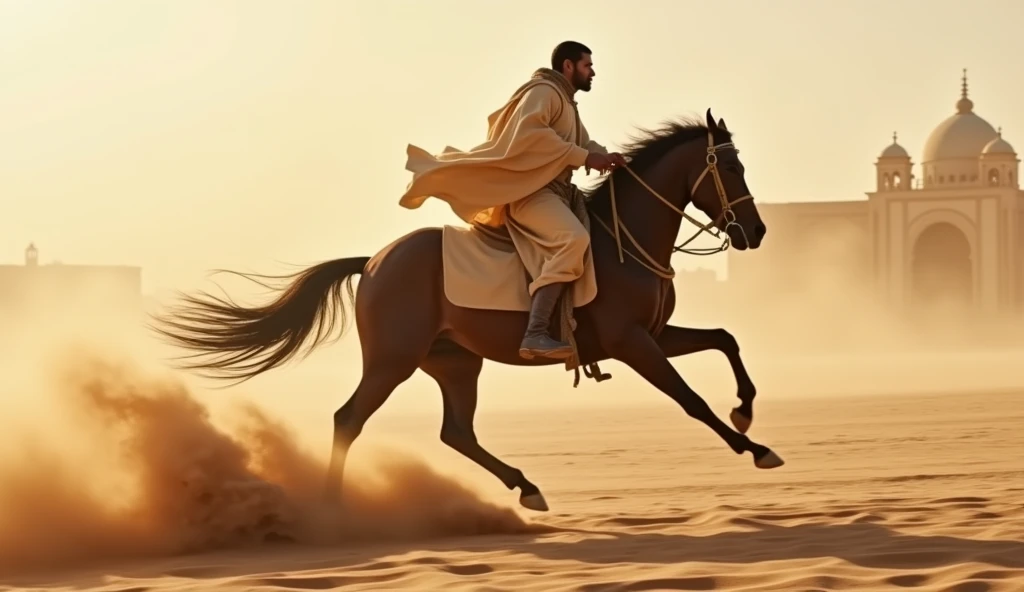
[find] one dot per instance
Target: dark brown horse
(405, 322)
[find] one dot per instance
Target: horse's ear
(721, 125)
(711, 120)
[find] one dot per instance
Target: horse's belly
(496, 335)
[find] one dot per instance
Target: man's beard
(581, 82)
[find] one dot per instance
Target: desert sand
(878, 493)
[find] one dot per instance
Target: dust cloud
(106, 456)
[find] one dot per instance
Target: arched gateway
(941, 268)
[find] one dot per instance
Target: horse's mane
(648, 146)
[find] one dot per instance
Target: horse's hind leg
(397, 313)
(457, 371)
(681, 341)
(374, 388)
(390, 356)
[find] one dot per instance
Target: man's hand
(604, 162)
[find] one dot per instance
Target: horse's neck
(652, 223)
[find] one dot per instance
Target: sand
(879, 493)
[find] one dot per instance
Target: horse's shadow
(863, 544)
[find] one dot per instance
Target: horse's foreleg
(457, 371)
(638, 350)
(681, 341)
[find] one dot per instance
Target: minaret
(893, 168)
(31, 255)
(998, 163)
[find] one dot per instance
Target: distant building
(699, 281)
(956, 233)
(699, 292)
(33, 288)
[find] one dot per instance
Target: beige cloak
(533, 139)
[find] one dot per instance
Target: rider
(519, 177)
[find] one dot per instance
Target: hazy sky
(188, 134)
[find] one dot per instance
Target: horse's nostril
(759, 231)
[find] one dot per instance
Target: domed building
(954, 233)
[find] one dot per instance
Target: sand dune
(920, 493)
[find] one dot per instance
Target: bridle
(710, 228)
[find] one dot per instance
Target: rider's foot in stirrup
(543, 346)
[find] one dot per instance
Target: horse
(405, 322)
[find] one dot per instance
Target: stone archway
(941, 268)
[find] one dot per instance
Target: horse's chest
(664, 302)
(654, 304)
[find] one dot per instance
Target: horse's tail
(233, 341)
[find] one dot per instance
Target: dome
(894, 150)
(962, 135)
(998, 146)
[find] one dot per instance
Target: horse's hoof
(534, 501)
(769, 460)
(739, 421)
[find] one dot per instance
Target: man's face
(583, 73)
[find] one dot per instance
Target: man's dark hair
(567, 50)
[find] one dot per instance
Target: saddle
(483, 270)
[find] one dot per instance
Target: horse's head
(718, 189)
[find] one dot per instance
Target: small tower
(894, 168)
(998, 163)
(31, 255)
